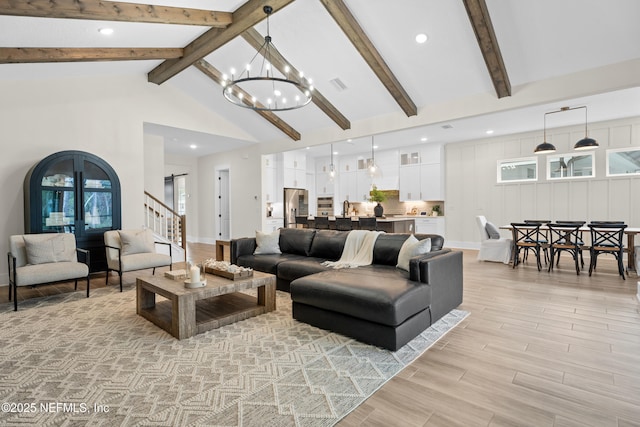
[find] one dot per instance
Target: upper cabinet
(294, 169)
(421, 173)
(74, 192)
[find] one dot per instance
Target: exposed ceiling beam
(115, 11)
(216, 75)
(36, 54)
(245, 17)
(354, 32)
(483, 28)
(256, 40)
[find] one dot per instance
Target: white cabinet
(431, 182)
(363, 186)
(324, 184)
(430, 225)
(272, 224)
(269, 185)
(294, 167)
(348, 187)
(410, 183)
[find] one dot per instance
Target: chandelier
(264, 90)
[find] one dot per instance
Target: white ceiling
(539, 40)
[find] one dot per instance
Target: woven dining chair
(526, 237)
(566, 237)
(607, 238)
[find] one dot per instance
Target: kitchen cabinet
(74, 192)
(410, 183)
(363, 186)
(294, 165)
(324, 184)
(272, 224)
(431, 183)
(348, 187)
(430, 225)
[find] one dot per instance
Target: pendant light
(374, 170)
(585, 143)
(331, 173)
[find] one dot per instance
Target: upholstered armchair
(38, 259)
(131, 250)
(492, 247)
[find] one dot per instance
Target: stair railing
(164, 221)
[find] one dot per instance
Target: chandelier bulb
(284, 100)
(232, 71)
(287, 69)
(301, 74)
(276, 92)
(269, 101)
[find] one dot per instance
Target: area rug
(69, 360)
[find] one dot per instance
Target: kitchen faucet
(345, 208)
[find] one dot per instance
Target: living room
(109, 109)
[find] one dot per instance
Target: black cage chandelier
(265, 90)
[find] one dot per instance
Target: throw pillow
(267, 243)
(46, 248)
(410, 248)
(492, 230)
(135, 242)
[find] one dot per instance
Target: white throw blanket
(358, 250)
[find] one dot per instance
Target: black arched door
(74, 192)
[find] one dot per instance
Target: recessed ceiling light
(423, 139)
(489, 131)
(421, 38)
(349, 140)
(193, 146)
(375, 147)
(308, 148)
(105, 31)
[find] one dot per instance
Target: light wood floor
(538, 349)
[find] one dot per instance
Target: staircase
(167, 225)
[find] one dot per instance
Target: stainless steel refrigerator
(296, 203)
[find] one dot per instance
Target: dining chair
(566, 237)
(526, 236)
(493, 247)
(580, 238)
(322, 222)
(344, 224)
(302, 221)
(367, 223)
(544, 234)
(607, 238)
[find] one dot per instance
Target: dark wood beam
(354, 32)
(216, 75)
(256, 40)
(37, 54)
(483, 28)
(115, 11)
(245, 17)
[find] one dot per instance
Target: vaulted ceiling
(369, 72)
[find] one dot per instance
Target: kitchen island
(388, 225)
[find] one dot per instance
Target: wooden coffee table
(186, 312)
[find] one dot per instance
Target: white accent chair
(131, 250)
(38, 259)
(496, 250)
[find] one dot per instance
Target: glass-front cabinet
(74, 192)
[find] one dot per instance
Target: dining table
(630, 232)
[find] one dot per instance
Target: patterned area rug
(69, 360)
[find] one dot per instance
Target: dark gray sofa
(378, 304)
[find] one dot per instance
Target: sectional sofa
(379, 304)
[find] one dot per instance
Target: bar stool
(344, 224)
(302, 221)
(368, 223)
(322, 222)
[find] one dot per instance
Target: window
(525, 169)
(623, 161)
(562, 166)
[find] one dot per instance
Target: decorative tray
(229, 271)
(228, 274)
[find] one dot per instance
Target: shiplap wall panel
(472, 186)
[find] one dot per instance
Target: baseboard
(461, 245)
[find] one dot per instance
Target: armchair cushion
(47, 273)
(492, 230)
(48, 248)
(136, 242)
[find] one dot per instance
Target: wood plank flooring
(538, 349)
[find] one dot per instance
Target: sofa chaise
(378, 304)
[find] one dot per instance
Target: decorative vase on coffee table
(378, 210)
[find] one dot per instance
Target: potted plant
(377, 196)
(435, 210)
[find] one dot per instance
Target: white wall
(472, 188)
(100, 115)
(245, 176)
(154, 165)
